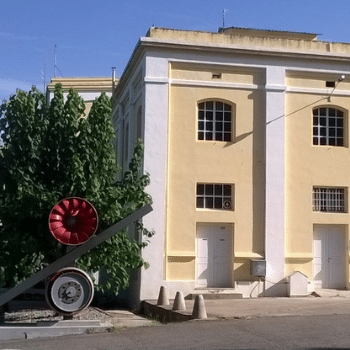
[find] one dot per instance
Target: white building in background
(88, 88)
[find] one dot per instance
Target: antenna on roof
(43, 76)
(54, 61)
(223, 18)
(55, 65)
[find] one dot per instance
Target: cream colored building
(88, 88)
(247, 145)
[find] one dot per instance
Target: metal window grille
(214, 121)
(214, 196)
(328, 199)
(328, 127)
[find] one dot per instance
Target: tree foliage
(54, 151)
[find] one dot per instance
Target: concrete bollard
(163, 296)
(199, 311)
(179, 302)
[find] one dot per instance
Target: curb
(164, 313)
(43, 329)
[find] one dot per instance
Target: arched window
(328, 127)
(214, 121)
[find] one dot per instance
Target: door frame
(231, 263)
(345, 252)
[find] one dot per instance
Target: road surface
(286, 332)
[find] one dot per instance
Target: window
(328, 199)
(214, 121)
(139, 124)
(137, 84)
(125, 104)
(126, 142)
(214, 196)
(116, 148)
(328, 127)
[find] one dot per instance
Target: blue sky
(93, 36)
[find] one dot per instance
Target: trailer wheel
(69, 291)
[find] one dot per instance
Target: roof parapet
(83, 83)
(275, 34)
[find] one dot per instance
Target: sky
(92, 36)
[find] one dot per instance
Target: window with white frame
(328, 127)
(214, 121)
(329, 199)
(214, 196)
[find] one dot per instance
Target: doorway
(214, 255)
(329, 256)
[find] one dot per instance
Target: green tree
(54, 151)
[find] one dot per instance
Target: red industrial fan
(72, 221)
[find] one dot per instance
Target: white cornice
(217, 84)
(157, 80)
(275, 88)
(245, 49)
(316, 91)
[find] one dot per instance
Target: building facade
(88, 88)
(246, 144)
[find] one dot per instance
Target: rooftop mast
(54, 64)
(223, 18)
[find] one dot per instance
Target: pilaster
(275, 180)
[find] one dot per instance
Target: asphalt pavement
(326, 302)
(285, 332)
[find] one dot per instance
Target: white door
(329, 256)
(214, 252)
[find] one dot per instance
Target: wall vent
(330, 84)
